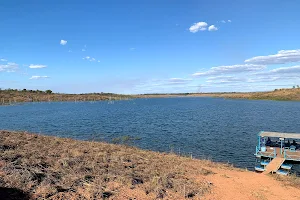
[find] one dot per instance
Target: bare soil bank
(43, 167)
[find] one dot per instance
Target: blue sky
(149, 46)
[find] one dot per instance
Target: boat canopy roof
(280, 135)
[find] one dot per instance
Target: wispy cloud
(212, 28)
(132, 49)
(282, 73)
(279, 74)
(230, 69)
(63, 42)
(199, 26)
(3, 60)
(179, 80)
(225, 21)
(38, 77)
(9, 67)
(225, 79)
(32, 66)
(282, 57)
(285, 70)
(70, 51)
(83, 50)
(89, 58)
(163, 84)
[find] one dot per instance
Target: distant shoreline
(278, 95)
(8, 97)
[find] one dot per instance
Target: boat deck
(289, 155)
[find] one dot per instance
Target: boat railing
(257, 149)
(289, 156)
(265, 153)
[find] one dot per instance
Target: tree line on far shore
(25, 90)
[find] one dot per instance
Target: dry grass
(291, 180)
(278, 94)
(55, 168)
(13, 96)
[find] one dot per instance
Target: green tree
(48, 91)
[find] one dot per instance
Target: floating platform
(264, 162)
(282, 172)
(259, 168)
(274, 149)
(286, 166)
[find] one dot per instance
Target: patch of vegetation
(11, 96)
(283, 94)
(292, 180)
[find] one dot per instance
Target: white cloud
(32, 66)
(89, 58)
(38, 77)
(212, 28)
(282, 57)
(3, 60)
(9, 67)
(82, 49)
(223, 21)
(70, 51)
(231, 69)
(199, 26)
(98, 61)
(63, 42)
(132, 49)
(229, 20)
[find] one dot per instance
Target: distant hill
(11, 96)
(278, 94)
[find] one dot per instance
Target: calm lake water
(215, 128)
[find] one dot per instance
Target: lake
(223, 130)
